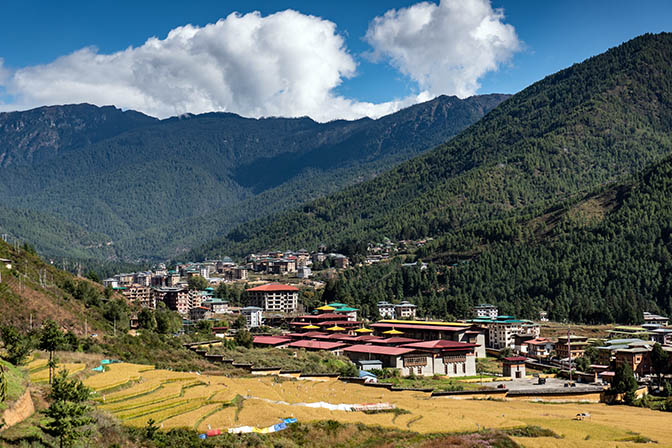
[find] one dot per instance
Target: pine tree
(69, 410)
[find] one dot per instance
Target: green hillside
(583, 127)
(602, 258)
(159, 188)
(32, 290)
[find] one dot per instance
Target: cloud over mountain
(283, 64)
(447, 47)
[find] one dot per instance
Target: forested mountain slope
(603, 258)
(45, 133)
(160, 187)
(585, 126)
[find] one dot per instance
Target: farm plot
(37, 364)
(117, 375)
(210, 402)
(163, 392)
(41, 375)
(192, 419)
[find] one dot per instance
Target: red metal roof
(418, 327)
(538, 341)
(274, 287)
(378, 350)
(318, 345)
(270, 340)
(395, 340)
(369, 337)
(515, 359)
(441, 344)
(307, 334)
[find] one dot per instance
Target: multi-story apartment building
(253, 316)
(139, 294)
(274, 297)
(125, 279)
(502, 329)
(572, 345)
(485, 310)
(386, 310)
(405, 310)
(176, 299)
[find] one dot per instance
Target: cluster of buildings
(388, 249)
(299, 263)
(626, 344)
(214, 271)
(423, 348)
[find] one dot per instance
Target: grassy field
(179, 399)
(553, 330)
(308, 362)
(16, 383)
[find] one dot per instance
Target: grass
(531, 431)
(432, 382)
(16, 383)
(286, 359)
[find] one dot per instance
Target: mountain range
(583, 127)
(554, 199)
(97, 183)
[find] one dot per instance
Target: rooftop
(270, 340)
(270, 287)
(251, 309)
(538, 341)
(318, 345)
(515, 359)
(394, 340)
(378, 350)
(423, 322)
(409, 326)
(441, 344)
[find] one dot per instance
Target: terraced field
(39, 373)
(137, 393)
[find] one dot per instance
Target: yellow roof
(310, 327)
(363, 330)
(393, 331)
(424, 322)
(336, 328)
(326, 308)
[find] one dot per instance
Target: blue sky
(551, 36)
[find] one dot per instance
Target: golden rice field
(40, 373)
(37, 364)
(175, 399)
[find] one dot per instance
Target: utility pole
(31, 321)
(86, 327)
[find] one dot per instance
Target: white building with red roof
(539, 348)
(274, 297)
(426, 358)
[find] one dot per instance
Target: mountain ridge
(136, 187)
(586, 125)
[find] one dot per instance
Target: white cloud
(285, 64)
(447, 47)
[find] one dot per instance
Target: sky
(326, 60)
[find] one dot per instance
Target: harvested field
(41, 374)
(201, 404)
(37, 364)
